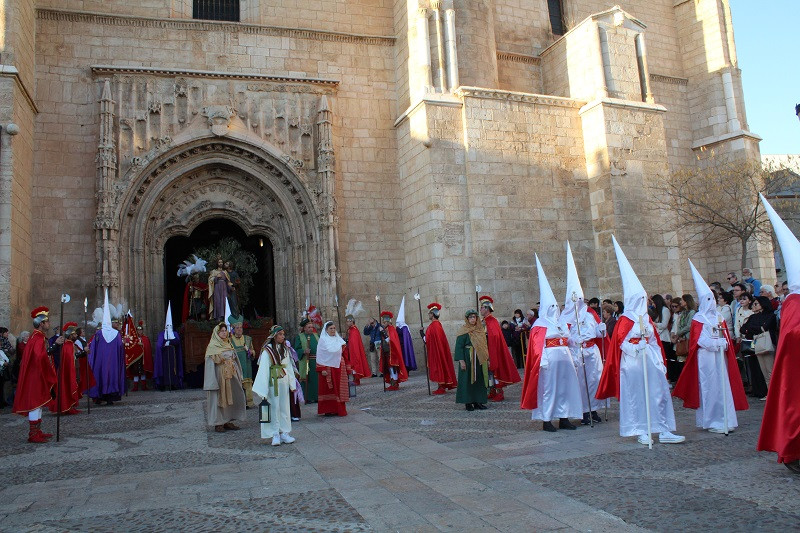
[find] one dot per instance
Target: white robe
(280, 405)
(714, 382)
(632, 406)
(559, 395)
(592, 359)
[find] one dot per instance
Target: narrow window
(556, 16)
(216, 10)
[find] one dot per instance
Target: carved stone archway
(221, 178)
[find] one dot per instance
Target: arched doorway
(236, 179)
(261, 296)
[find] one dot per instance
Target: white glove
(722, 343)
(601, 328)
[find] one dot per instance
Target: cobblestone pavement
(401, 461)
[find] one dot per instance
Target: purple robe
(107, 361)
(407, 346)
(166, 378)
(220, 297)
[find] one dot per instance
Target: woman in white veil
(333, 370)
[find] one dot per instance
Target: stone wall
(67, 128)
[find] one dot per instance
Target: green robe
(470, 392)
(241, 346)
(307, 366)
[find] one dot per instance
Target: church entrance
(256, 267)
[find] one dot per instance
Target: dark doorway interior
(177, 249)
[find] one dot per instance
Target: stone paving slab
(401, 461)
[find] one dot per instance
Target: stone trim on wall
(206, 25)
(669, 80)
(208, 74)
(518, 58)
(10, 71)
(511, 96)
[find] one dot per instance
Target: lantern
(263, 411)
(351, 386)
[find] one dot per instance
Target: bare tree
(717, 204)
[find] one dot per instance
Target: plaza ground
(401, 461)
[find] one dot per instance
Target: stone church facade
(383, 146)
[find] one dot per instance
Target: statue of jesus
(219, 283)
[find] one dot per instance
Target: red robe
(688, 386)
(500, 362)
(530, 385)
(67, 394)
(440, 358)
(355, 353)
(85, 371)
(395, 357)
(37, 376)
(609, 381)
(333, 389)
(147, 357)
(780, 426)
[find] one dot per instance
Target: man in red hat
(37, 376)
(440, 359)
(501, 364)
(67, 393)
(392, 365)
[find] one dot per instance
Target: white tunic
(591, 358)
(558, 394)
(632, 406)
(714, 382)
(280, 405)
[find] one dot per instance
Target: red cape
(354, 351)
(609, 381)
(67, 394)
(147, 357)
(780, 426)
(37, 376)
(688, 386)
(440, 358)
(500, 362)
(395, 356)
(530, 385)
(186, 303)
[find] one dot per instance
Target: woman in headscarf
(223, 382)
(332, 369)
(275, 381)
(472, 354)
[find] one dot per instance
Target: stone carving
(219, 118)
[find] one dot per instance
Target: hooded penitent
(699, 382)
(406, 342)
(168, 360)
(107, 359)
(779, 426)
(634, 296)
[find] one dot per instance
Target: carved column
(450, 41)
(327, 176)
(106, 226)
(644, 72)
(437, 20)
(424, 52)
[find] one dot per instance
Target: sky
(767, 34)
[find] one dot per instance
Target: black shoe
(470, 407)
(564, 423)
(548, 426)
(374, 375)
(794, 466)
(109, 402)
(481, 406)
(596, 417)
(585, 420)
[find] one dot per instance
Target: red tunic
(500, 362)
(67, 394)
(147, 357)
(530, 385)
(37, 376)
(395, 357)
(609, 381)
(780, 426)
(355, 353)
(440, 358)
(85, 371)
(688, 386)
(333, 390)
